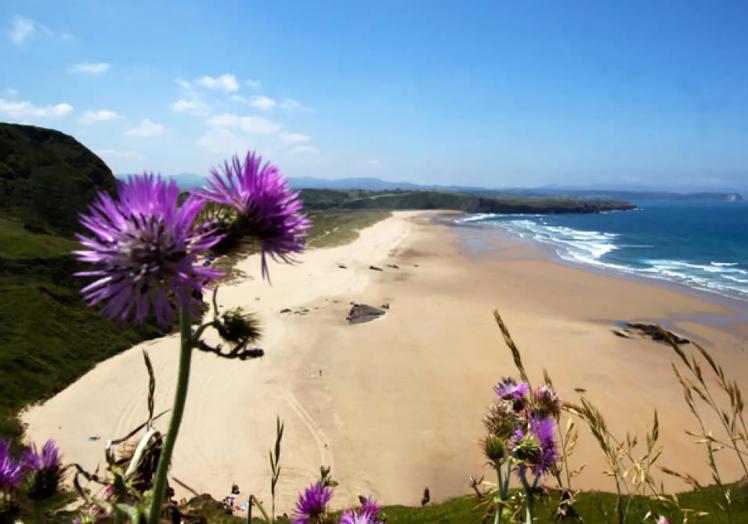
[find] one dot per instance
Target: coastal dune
(395, 405)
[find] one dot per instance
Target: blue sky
(485, 93)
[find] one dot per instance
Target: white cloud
(239, 98)
(191, 104)
(294, 137)
(254, 84)
(184, 84)
(253, 125)
(262, 102)
(291, 104)
(102, 115)
(226, 82)
(119, 154)
(222, 141)
(374, 163)
(21, 29)
(25, 109)
(305, 150)
(146, 128)
(89, 68)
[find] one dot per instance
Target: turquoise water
(703, 245)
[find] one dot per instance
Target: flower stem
(180, 396)
(500, 485)
(529, 500)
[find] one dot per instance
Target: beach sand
(395, 405)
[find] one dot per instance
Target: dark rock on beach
(653, 331)
(375, 268)
(363, 313)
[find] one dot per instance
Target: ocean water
(703, 245)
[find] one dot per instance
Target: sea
(701, 245)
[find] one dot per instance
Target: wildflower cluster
(521, 425)
(39, 472)
(312, 506)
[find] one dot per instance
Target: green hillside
(47, 177)
(48, 337)
(328, 199)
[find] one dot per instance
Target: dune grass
(336, 227)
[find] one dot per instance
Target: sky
(494, 94)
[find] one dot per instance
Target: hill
(47, 177)
(469, 203)
(48, 337)
(375, 184)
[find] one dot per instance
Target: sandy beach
(395, 405)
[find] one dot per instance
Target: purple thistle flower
(535, 446)
(546, 402)
(11, 471)
(44, 469)
(48, 458)
(267, 209)
(146, 250)
(371, 506)
(351, 517)
(516, 393)
(312, 504)
(368, 513)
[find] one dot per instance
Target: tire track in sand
(325, 454)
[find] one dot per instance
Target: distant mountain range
(191, 181)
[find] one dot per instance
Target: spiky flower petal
(312, 504)
(11, 471)
(545, 402)
(351, 517)
(533, 446)
(267, 210)
(44, 469)
(146, 251)
(512, 391)
(368, 513)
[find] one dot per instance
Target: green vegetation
(335, 227)
(48, 337)
(47, 177)
(330, 199)
(18, 242)
(593, 506)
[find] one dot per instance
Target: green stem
(500, 485)
(528, 496)
(180, 397)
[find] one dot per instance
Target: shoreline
(395, 405)
(721, 321)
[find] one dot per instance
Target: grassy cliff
(48, 337)
(332, 199)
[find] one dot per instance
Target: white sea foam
(593, 248)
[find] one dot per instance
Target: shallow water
(703, 245)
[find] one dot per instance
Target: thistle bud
(546, 402)
(501, 419)
(494, 449)
(238, 327)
